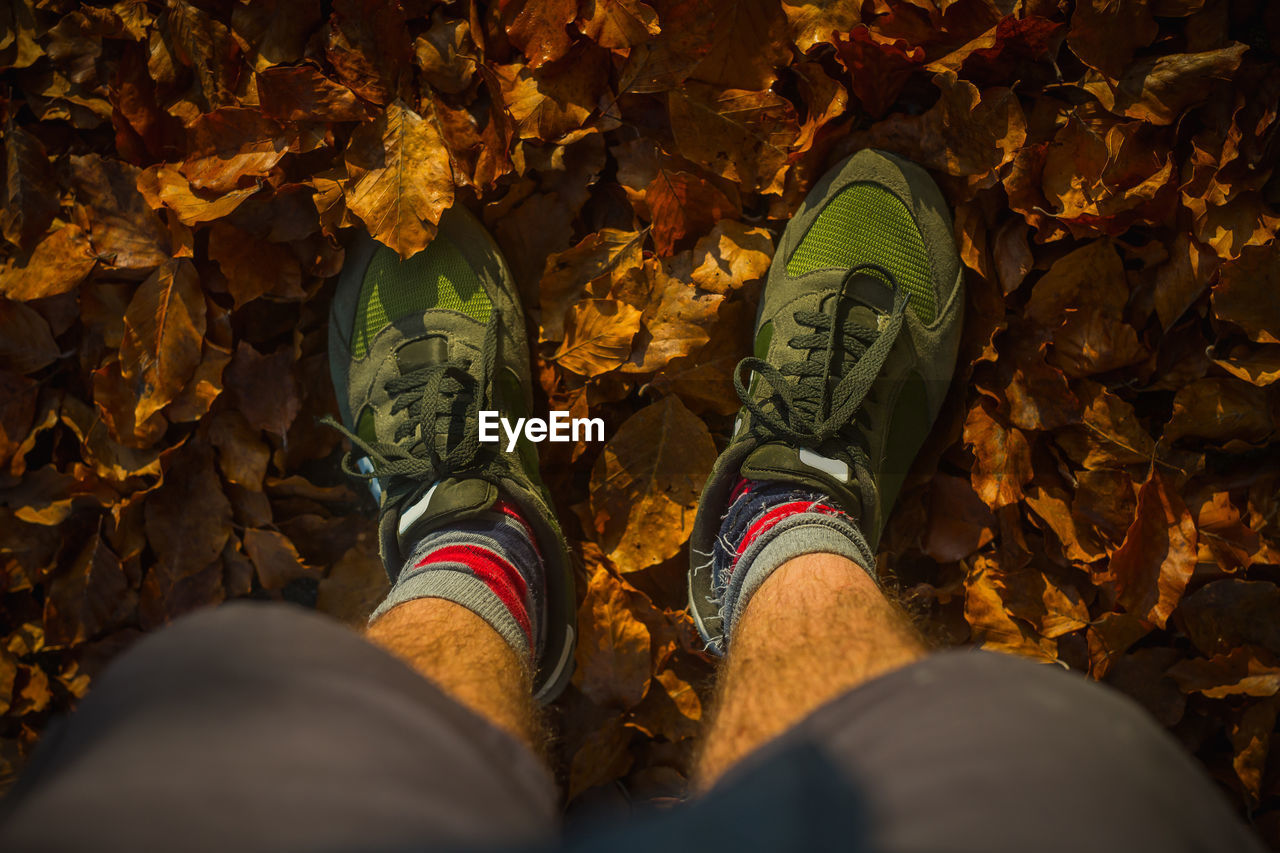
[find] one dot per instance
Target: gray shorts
(265, 727)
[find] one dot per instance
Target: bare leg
(817, 627)
(458, 651)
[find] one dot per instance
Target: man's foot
(416, 350)
(855, 345)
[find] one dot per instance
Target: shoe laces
(803, 406)
(443, 401)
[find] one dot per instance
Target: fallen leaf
(606, 255)
(990, 622)
(1160, 88)
(87, 596)
(262, 388)
(1003, 459)
(539, 28)
(1246, 294)
(167, 186)
(681, 204)
(401, 180)
(646, 482)
(187, 520)
(26, 343)
(1230, 613)
(1244, 671)
(967, 132)
(30, 195)
(959, 523)
(254, 267)
(302, 93)
(1220, 410)
(816, 22)
(598, 336)
(369, 48)
(748, 43)
(612, 654)
(742, 135)
(618, 24)
(57, 265)
(731, 255)
(1105, 35)
(1251, 742)
(275, 558)
(1154, 563)
(878, 67)
(355, 585)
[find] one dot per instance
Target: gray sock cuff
(465, 590)
(805, 533)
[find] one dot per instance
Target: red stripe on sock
(777, 514)
(511, 512)
(744, 486)
(500, 576)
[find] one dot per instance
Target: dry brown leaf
(1220, 410)
(57, 264)
(878, 67)
(254, 267)
(1003, 458)
(263, 388)
(1244, 671)
(612, 654)
(618, 24)
(967, 132)
(820, 21)
(743, 135)
(605, 257)
(304, 94)
(30, 195)
(1246, 294)
(748, 43)
(276, 560)
(731, 255)
(990, 622)
(1153, 564)
(539, 28)
(401, 180)
(1160, 88)
(598, 336)
(26, 343)
(164, 333)
(646, 482)
(1105, 34)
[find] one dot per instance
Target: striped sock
(490, 565)
(767, 524)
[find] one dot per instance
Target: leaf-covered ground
(1101, 491)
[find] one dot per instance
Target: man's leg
(258, 728)
(457, 650)
(819, 626)
(956, 751)
(855, 346)
(266, 727)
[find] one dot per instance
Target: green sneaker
(855, 345)
(416, 350)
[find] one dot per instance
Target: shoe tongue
(446, 502)
(423, 352)
(784, 463)
(871, 291)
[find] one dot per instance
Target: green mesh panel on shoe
(437, 277)
(866, 223)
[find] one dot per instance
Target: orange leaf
(401, 179)
(1153, 564)
(646, 483)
